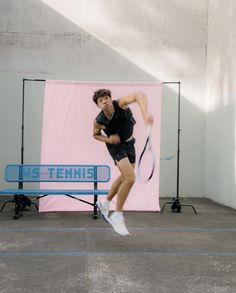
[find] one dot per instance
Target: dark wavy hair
(101, 93)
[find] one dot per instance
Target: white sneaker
(103, 207)
(118, 223)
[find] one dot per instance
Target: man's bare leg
(104, 205)
(128, 176)
(121, 186)
(114, 188)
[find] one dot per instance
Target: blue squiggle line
(167, 158)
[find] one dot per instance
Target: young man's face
(104, 103)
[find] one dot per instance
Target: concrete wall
(221, 103)
(108, 40)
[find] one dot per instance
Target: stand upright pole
(22, 120)
(175, 203)
(21, 201)
(20, 184)
(178, 141)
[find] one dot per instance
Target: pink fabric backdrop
(67, 138)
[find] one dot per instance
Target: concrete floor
(165, 253)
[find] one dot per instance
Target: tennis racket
(147, 160)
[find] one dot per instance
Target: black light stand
(21, 201)
(175, 203)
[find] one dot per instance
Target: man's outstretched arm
(141, 99)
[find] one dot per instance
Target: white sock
(107, 202)
(118, 214)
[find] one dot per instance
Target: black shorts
(123, 150)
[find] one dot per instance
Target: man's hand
(114, 139)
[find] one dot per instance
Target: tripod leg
(36, 206)
(169, 202)
(194, 209)
(189, 205)
(4, 204)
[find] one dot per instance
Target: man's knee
(129, 178)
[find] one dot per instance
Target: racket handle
(148, 130)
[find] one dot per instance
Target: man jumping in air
(114, 126)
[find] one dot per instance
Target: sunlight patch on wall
(220, 88)
(124, 27)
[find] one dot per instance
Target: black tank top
(122, 122)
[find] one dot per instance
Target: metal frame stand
(21, 201)
(176, 205)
